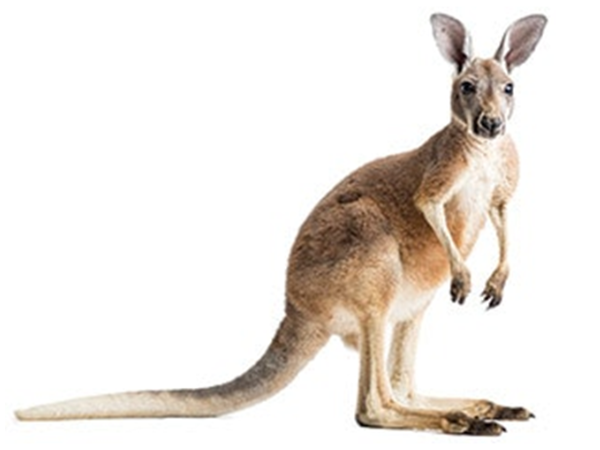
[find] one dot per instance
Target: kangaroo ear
(452, 39)
(520, 40)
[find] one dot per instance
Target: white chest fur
(474, 194)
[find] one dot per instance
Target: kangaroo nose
(492, 125)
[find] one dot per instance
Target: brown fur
(373, 252)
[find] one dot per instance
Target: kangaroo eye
(467, 88)
(509, 89)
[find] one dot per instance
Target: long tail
(294, 345)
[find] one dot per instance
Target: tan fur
(373, 252)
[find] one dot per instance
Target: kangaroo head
(482, 90)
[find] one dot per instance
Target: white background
(157, 159)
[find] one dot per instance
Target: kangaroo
(372, 254)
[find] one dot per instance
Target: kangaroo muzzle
(489, 126)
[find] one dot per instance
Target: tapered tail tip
(38, 413)
(24, 415)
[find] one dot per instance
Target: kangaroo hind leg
(401, 364)
(376, 406)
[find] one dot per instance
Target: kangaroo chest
(467, 209)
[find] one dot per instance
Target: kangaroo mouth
(488, 132)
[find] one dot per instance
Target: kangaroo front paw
(460, 285)
(460, 423)
(494, 287)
